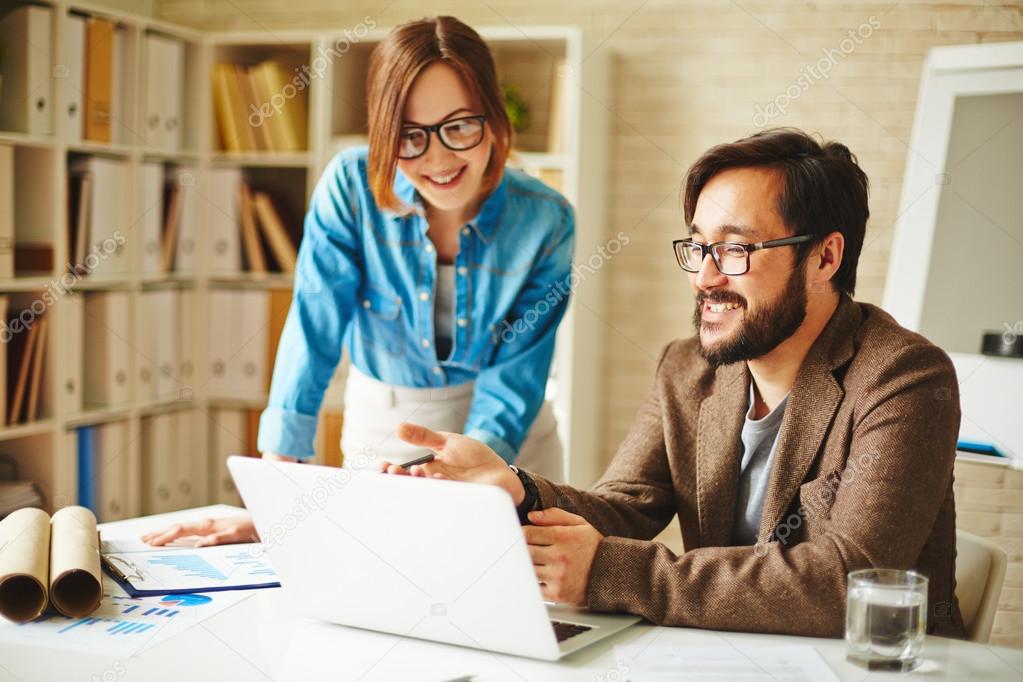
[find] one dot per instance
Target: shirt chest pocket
(379, 320)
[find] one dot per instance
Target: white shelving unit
(46, 450)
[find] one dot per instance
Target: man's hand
(458, 458)
(563, 546)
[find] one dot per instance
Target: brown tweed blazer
(862, 477)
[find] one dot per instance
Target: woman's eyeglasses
(457, 134)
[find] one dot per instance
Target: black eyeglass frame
(748, 248)
(435, 130)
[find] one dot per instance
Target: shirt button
(365, 303)
(429, 248)
(426, 343)
(423, 296)
(438, 370)
(462, 322)
(462, 270)
(465, 231)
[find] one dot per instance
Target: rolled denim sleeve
(327, 278)
(509, 392)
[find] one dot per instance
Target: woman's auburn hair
(393, 66)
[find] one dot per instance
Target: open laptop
(437, 560)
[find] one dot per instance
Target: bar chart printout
(164, 571)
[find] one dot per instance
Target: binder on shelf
(157, 364)
(70, 312)
(150, 221)
(188, 334)
(107, 217)
(118, 87)
(114, 470)
(107, 350)
(186, 243)
(223, 220)
(87, 468)
(227, 437)
(160, 455)
(27, 84)
(164, 99)
(99, 79)
(252, 339)
(6, 212)
(190, 489)
(79, 211)
(74, 83)
(220, 330)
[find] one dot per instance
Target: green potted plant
(517, 107)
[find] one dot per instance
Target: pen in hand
(418, 460)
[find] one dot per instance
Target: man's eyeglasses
(457, 134)
(731, 258)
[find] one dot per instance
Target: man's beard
(763, 330)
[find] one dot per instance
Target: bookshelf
(180, 401)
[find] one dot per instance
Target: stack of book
(22, 360)
(260, 108)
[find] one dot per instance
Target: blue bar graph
(251, 566)
(192, 565)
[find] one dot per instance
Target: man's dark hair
(824, 189)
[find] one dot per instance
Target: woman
(421, 257)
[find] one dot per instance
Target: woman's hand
(458, 458)
(224, 531)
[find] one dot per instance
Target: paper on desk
(718, 663)
(121, 626)
(158, 570)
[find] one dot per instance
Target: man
(799, 436)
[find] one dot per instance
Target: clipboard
(137, 579)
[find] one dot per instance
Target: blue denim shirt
(359, 284)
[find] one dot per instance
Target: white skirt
(374, 409)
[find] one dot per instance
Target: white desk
(261, 638)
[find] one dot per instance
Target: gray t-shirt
(759, 436)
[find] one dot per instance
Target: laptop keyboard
(565, 630)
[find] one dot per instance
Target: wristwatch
(531, 498)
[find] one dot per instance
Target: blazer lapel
(813, 402)
(718, 453)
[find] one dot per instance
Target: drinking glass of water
(885, 619)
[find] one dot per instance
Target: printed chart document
(122, 625)
(148, 571)
(720, 663)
